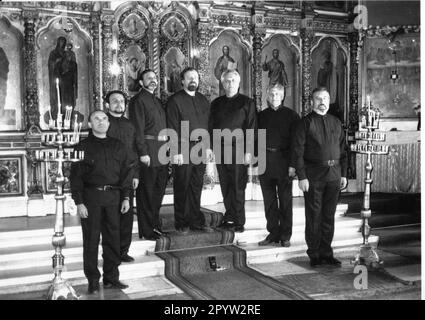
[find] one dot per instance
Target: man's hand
(210, 155)
(125, 205)
(178, 159)
(146, 160)
(135, 183)
(343, 183)
(248, 158)
(82, 211)
(303, 185)
(291, 172)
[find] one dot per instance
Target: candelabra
(370, 122)
(60, 150)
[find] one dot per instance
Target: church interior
(367, 55)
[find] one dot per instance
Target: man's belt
(156, 138)
(328, 163)
(105, 187)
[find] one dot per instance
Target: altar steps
(26, 264)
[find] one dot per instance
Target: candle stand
(60, 150)
(370, 121)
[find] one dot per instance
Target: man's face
(321, 101)
(150, 81)
(275, 97)
(191, 80)
(275, 54)
(116, 104)
(99, 122)
(231, 84)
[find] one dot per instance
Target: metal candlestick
(57, 140)
(370, 121)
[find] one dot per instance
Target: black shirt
(318, 139)
(237, 112)
(183, 107)
(148, 117)
(122, 129)
(105, 163)
(279, 125)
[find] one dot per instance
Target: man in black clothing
(95, 186)
(149, 118)
(276, 182)
(193, 108)
(122, 129)
(321, 165)
(233, 111)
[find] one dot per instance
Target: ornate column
(95, 21)
(353, 114)
(257, 46)
(306, 34)
(32, 113)
(107, 22)
(353, 117)
(155, 49)
(204, 38)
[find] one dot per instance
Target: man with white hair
(233, 111)
(276, 182)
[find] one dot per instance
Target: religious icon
(174, 60)
(4, 74)
(135, 64)
(63, 79)
(224, 63)
(173, 28)
(133, 26)
(276, 69)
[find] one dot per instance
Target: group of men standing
(123, 155)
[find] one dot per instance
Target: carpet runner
(208, 266)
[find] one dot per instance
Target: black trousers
(126, 226)
(277, 197)
(233, 180)
(187, 186)
(320, 206)
(103, 218)
(149, 195)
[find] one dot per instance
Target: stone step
(267, 254)
(24, 258)
(256, 235)
(40, 278)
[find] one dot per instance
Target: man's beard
(192, 87)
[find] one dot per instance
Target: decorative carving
(330, 26)
(306, 41)
(95, 21)
(204, 37)
(282, 23)
(107, 21)
(257, 45)
(32, 118)
(387, 30)
(230, 19)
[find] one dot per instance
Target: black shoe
(159, 232)
(93, 286)
(183, 231)
(239, 229)
(285, 243)
(126, 258)
(265, 242)
(203, 229)
(314, 262)
(226, 225)
(152, 237)
(331, 261)
(109, 284)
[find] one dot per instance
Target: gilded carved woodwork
(32, 118)
(107, 21)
